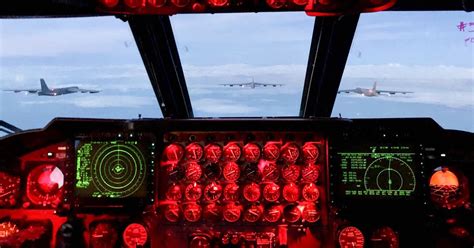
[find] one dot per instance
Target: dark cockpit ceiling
(307, 181)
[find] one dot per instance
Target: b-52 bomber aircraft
(252, 84)
(373, 92)
(46, 91)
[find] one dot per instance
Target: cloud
(220, 106)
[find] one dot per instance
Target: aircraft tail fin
(44, 87)
(374, 88)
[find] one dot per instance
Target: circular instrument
(253, 213)
(290, 172)
(174, 193)
(290, 152)
(276, 4)
(300, 2)
(192, 212)
(200, 242)
(251, 172)
(310, 152)
(212, 153)
(445, 189)
(212, 212)
(232, 152)
(390, 174)
(231, 192)
(231, 212)
(271, 192)
(44, 185)
(176, 172)
(218, 3)
(7, 229)
(194, 152)
(271, 152)
(270, 172)
(310, 213)
(310, 192)
(9, 189)
(291, 192)
(172, 213)
(310, 173)
(384, 237)
(193, 192)
(212, 192)
(212, 171)
(291, 213)
(251, 152)
(273, 214)
(251, 192)
(351, 237)
(173, 153)
(231, 171)
(135, 235)
(103, 235)
(193, 171)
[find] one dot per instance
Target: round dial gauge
(290, 152)
(231, 212)
(310, 173)
(251, 172)
(391, 175)
(212, 212)
(212, 171)
(231, 171)
(200, 242)
(172, 213)
(300, 2)
(253, 213)
(310, 192)
(292, 213)
(310, 152)
(192, 212)
(135, 235)
(271, 192)
(174, 193)
(251, 152)
(291, 193)
(270, 172)
(212, 192)
(446, 189)
(351, 237)
(193, 171)
(176, 172)
(218, 3)
(180, 3)
(194, 152)
(310, 213)
(252, 192)
(271, 152)
(9, 189)
(231, 192)
(385, 237)
(103, 235)
(44, 185)
(276, 4)
(157, 3)
(212, 153)
(232, 152)
(173, 153)
(273, 214)
(7, 229)
(290, 172)
(193, 192)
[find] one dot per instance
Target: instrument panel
(237, 183)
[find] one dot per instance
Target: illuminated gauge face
(271, 152)
(231, 171)
(212, 212)
(310, 152)
(200, 242)
(212, 171)
(103, 235)
(445, 189)
(391, 176)
(193, 192)
(351, 237)
(276, 4)
(9, 190)
(290, 172)
(7, 229)
(218, 3)
(135, 235)
(290, 152)
(300, 2)
(192, 212)
(45, 185)
(232, 152)
(174, 153)
(252, 192)
(251, 152)
(212, 192)
(310, 173)
(213, 153)
(291, 193)
(231, 212)
(253, 213)
(231, 192)
(172, 213)
(176, 172)
(157, 3)
(180, 3)
(251, 172)
(310, 213)
(386, 237)
(193, 171)
(273, 214)
(292, 213)
(271, 192)
(310, 192)
(194, 152)
(270, 172)
(174, 192)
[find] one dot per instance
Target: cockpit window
(91, 67)
(411, 64)
(244, 64)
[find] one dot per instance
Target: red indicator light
(109, 3)
(157, 3)
(180, 3)
(276, 4)
(218, 3)
(134, 3)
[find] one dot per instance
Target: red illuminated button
(310, 152)
(291, 193)
(194, 152)
(231, 192)
(310, 173)
(192, 212)
(212, 153)
(231, 171)
(291, 172)
(310, 192)
(290, 152)
(232, 152)
(135, 235)
(174, 153)
(252, 192)
(172, 213)
(251, 152)
(271, 151)
(271, 192)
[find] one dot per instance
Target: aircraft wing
(265, 85)
(240, 85)
(24, 90)
(346, 91)
(393, 92)
(84, 90)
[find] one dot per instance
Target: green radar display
(111, 169)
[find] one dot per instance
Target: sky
(423, 52)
